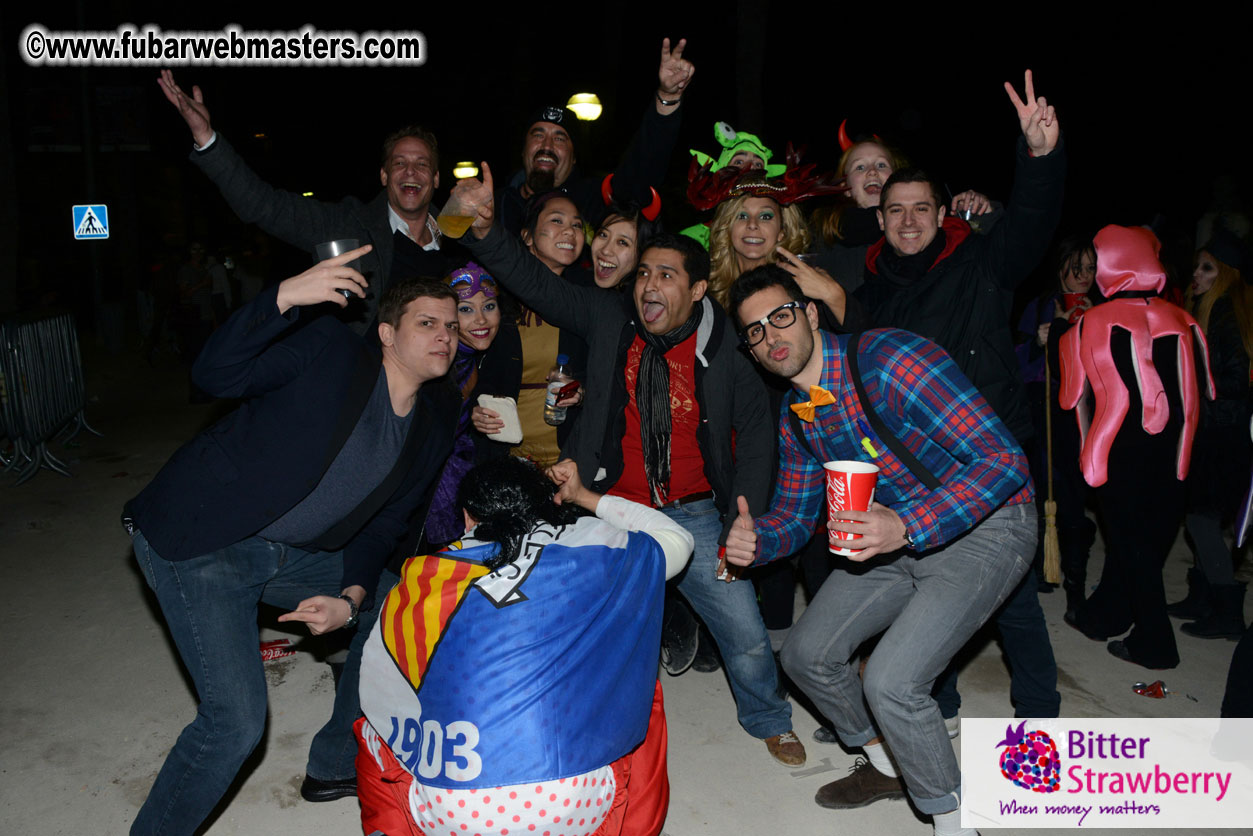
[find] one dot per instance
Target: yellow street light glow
(586, 106)
(306, 194)
(465, 169)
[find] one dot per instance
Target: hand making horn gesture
(1036, 118)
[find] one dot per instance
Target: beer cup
(330, 249)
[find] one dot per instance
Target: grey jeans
(929, 605)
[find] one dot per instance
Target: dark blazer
(303, 394)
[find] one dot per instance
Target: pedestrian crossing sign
(91, 222)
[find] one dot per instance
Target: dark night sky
(1153, 111)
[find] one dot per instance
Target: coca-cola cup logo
(839, 490)
(850, 487)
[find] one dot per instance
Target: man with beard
(934, 563)
(677, 421)
(399, 222)
(548, 160)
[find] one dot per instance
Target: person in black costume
(1043, 322)
(1134, 353)
(1222, 449)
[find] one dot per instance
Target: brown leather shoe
(786, 748)
(864, 786)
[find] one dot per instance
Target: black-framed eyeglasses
(781, 317)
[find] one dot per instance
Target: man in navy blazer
(297, 498)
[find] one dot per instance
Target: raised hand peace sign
(1036, 118)
(675, 73)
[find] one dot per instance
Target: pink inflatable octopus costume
(1129, 274)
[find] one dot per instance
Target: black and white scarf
(652, 397)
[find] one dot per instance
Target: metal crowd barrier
(42, 393)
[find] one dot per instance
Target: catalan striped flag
(418, 610)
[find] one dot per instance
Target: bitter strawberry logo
(1030, 759)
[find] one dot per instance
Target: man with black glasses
(940, 550)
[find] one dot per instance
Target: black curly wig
(508, 497)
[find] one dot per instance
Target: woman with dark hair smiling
(488, 361)
(617, 245)
(553, 233)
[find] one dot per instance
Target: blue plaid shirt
(925, 400)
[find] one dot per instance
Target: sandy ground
(93, 693)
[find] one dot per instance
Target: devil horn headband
(651, 211)
(845, 141)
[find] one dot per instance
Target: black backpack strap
(798, 429)
(876, 423)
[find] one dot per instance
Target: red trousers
(640, 801)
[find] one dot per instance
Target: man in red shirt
(674, 417)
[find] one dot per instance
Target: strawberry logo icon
(1030, 759)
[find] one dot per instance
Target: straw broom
(1052, 551)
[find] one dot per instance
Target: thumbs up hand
(741, 548)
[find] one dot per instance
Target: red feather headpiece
(706, 189)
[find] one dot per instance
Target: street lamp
(586, 106)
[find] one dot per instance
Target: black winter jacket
(965, 300)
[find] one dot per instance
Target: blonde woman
(750, 229)
(1221, 452)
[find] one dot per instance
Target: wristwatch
(353, 611)
(909, 543)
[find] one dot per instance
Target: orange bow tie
(817, 397)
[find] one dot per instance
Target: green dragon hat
(733, 143)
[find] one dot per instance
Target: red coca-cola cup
(1071, 301)
(850, 487)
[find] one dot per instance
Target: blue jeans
(1032, 668)
(929, 606)
(332, 755)
(730, 612)
(210, 604)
